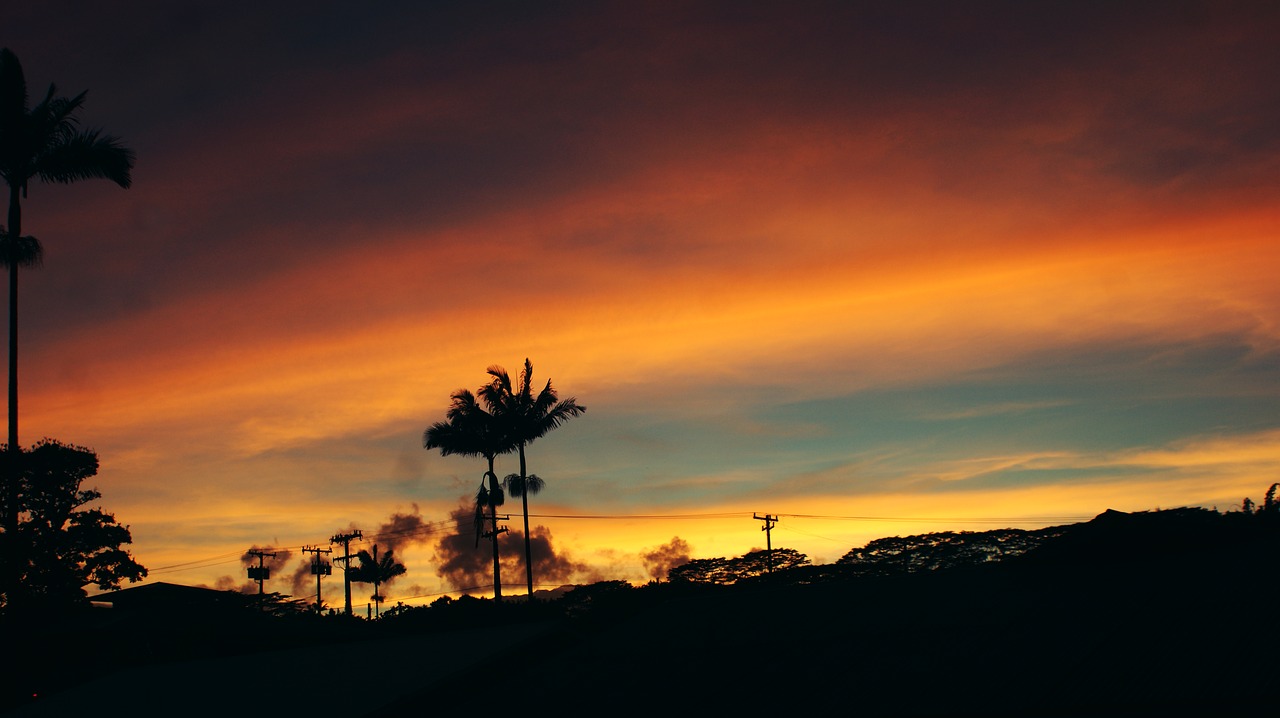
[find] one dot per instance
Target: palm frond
(542, 424)
(87, 155)
(25, 251)
(526, 382)
(461, 403)
(54, 117)
(468, 431)
(517, 486)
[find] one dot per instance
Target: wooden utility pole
(345, 558)
(260, 572)
(494, 498)
(319, 567)
(769, 521)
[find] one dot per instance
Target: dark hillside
(1168, 613)
(1151, 614)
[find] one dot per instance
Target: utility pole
(319, 567)
(492, 535)
(260, 572)
(493, 498)
(345, 558)
(769, 521)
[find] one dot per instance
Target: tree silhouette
(1269, 503)
(59, 547)
(45, 142)
(728, 571)
(469, 430)
(525, 418)
(377, 571)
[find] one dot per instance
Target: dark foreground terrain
(1166, 613)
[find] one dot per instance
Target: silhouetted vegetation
(1127, 614)
(525, 417)
(58, 545)
(44, 142)
(728, 571)
(511, 417)
(469, 430)
(377, 571)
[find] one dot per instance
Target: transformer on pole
(319, 567)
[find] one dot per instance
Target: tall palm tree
(469, 430)
(526, 417)
(377, 571)
(45, 142)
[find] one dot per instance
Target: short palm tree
(469, 430)
(377, 571)
(525, 417)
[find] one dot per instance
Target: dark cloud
(659, 561)
(275, 563)
(303, 581)
(460, 559)
(401, 529)
(549, 566)
(446, 114)
(465, 565)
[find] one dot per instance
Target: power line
(949, 519)
(730, 515)
(219, 558)
(452, 524)
(742, 514)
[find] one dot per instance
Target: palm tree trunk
(524, 500)
(13, 351)
(15, 231)
(12, 470)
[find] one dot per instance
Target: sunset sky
(876, 268)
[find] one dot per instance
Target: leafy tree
(727, 571)
(526, 417)
(944, 549)
(702, 570)
(757, 563)
(59, 547)
(469, 430)
(377, 571)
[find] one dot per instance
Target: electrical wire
(435, 527)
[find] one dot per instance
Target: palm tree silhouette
(42, 142)
(469, 430)
(524, 418)
(377, 571)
